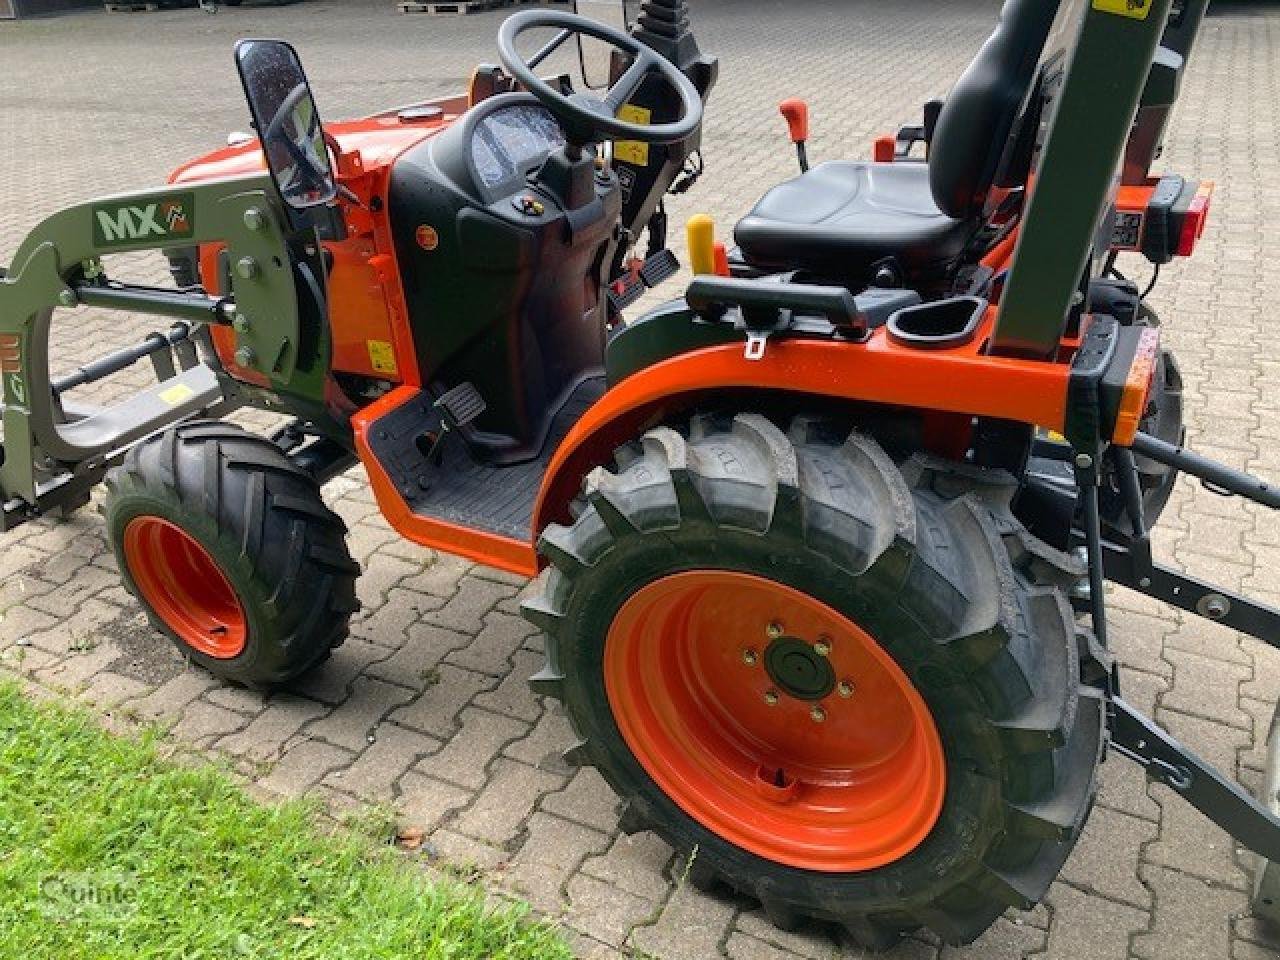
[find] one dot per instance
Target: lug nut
(818, 715)
(823, 647)
(771, 698)
(774, 631)
(750, 657)
(845, 689)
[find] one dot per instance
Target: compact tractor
(822, 544)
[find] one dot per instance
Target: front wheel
(232, 552)
(847, 688)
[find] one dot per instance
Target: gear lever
(797, 114)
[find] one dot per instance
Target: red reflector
(886, 150)
(1195, 220)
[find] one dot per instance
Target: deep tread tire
(262, 520)
(928, 558)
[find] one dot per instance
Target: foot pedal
(659, 268)
(625, 292)
(461, 406)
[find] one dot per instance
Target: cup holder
(938, 325)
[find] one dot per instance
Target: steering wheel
(587, 117)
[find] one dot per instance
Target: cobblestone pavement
(426, 706)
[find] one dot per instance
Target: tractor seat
(840, 219)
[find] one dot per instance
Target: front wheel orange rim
(774, 721)
(182, 583)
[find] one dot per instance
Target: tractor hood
(376, 141)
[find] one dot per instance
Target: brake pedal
(659, 268)
(461, 406)
(626, 291)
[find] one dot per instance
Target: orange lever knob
(797, 114)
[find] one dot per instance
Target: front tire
(939, 772)
(232, 552)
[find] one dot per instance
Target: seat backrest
(979, 116)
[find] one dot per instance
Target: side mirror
(287, 121)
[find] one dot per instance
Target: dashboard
(511, 142)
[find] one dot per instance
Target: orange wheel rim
(183, 584)
(774, 721)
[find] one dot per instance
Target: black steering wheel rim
(589, 117)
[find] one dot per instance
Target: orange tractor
(821, 545)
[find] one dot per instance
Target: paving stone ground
(425, 708)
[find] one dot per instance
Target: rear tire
(232, 552)
(928, 561)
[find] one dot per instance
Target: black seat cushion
(841, 218)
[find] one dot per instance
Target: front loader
(822, 546)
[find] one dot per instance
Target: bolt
(247, 268)
(845, 689)
(240, 324)
(1215, 606)
(818, 715)
(771, 698)
(774, 631)
(253, 219)
(68, 298)
(823, 647)
(245, 357)
(1144, 582)
(750, 657)
(1084, 461)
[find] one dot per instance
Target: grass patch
(109, 851)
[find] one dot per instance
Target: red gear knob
(797, 113)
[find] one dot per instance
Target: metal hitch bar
(1170, 763)
(1130, 564)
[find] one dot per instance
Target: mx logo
(119, 224)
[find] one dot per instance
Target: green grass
(107, 850)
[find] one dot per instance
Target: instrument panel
(510, 143)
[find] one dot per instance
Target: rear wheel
(232, 552)
(849, 689)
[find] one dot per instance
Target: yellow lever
(701, 231)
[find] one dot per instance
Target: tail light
(1195, 220)
(1162, 219)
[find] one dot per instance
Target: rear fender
(39, 442)
(963, 380)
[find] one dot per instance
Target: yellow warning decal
(632, 151)
(1134, 9)
(383, 357)
(176, 395)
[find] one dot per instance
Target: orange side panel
(363, 339)
(502, 553)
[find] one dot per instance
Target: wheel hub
(798, 670)
(183, 585)
(817, 751)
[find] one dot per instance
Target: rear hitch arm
(1168, 762)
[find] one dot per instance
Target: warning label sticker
(632, 151)
(1134, 9)
(382, 356)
